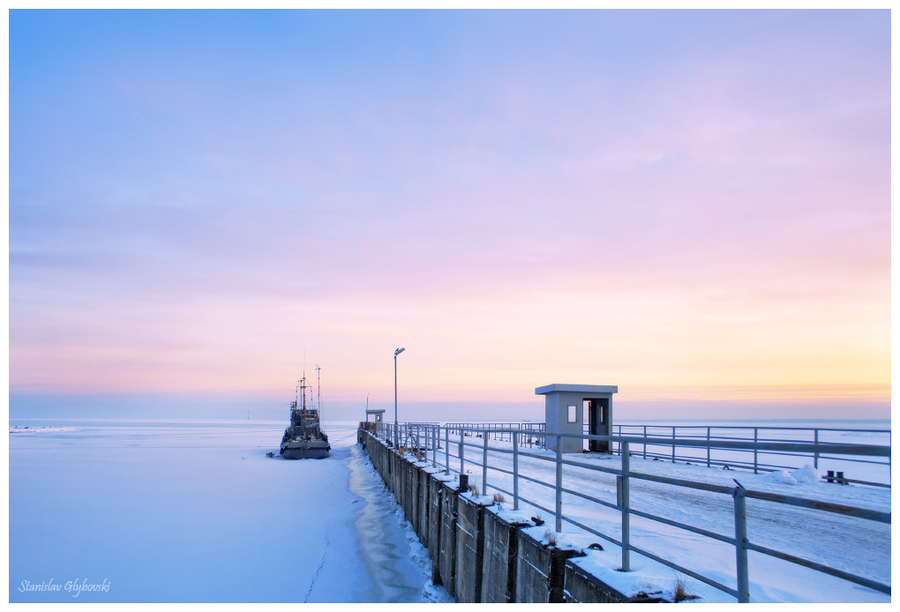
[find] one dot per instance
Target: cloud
(699, 198)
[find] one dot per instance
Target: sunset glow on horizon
(686, 204)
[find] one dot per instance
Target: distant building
(566, 407)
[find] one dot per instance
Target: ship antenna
(319, 390)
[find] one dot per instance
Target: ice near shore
(196, 512)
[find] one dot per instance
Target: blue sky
(689, 204)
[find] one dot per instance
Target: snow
(194, 511)
(43, 429)
(806, 474)
(850, 544)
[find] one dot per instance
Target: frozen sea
(191, 511)
(194, 511)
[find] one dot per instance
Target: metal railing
(447, 451)
(501, 431)
(712, 453)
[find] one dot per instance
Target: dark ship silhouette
(304, 438)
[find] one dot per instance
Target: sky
(691, 205)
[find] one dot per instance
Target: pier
(463, 487)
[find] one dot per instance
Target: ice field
(194, 511)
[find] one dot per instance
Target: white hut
(567, 407)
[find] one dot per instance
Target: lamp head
(398, 351)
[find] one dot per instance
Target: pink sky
(686, 205)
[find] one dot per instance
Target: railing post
(673, 444)
(626, 505)
(816, 442)
(462, 469)
(707, 446)
(484, 467)
(434, 445)
(645, 441)
(755, 442)
(447, 448)
(515, 441)
(558, 483)
(740, 545)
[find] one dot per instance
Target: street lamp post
(396, 426)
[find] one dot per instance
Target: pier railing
(711, 451)
(501, 431)
(515, 467)
(706, 448)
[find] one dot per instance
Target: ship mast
(319, 390)
(303, 391)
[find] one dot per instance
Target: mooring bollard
(829, 476)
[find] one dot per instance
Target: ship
(304, 438)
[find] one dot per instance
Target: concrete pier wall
(477, 555)
(445, 554)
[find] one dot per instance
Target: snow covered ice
(195, 511)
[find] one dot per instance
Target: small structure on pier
(371, 426)
(377, 413)
(566, 407)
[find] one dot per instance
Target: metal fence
(446, 446)
(501, 431)
(712, 453)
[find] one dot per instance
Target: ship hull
(313, 449)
